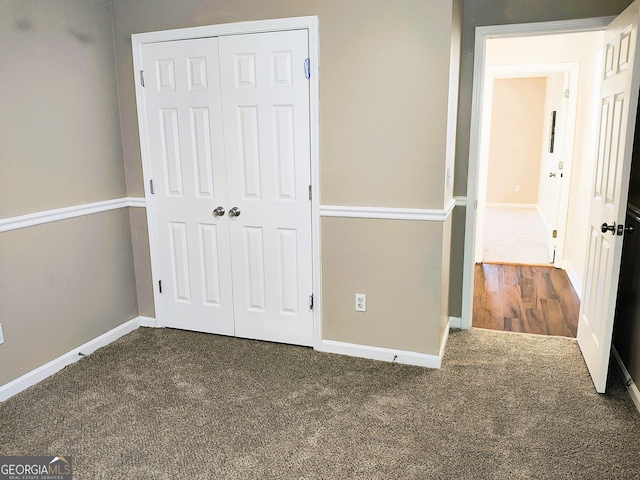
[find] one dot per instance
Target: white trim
(405, 357)
(481, 36)
(511, 205)
(385, 213)
(140, 202)
(574, 278)
(238, 28)
(57, 214)
(314, 125)
(455, 322)
(547, 227)
(37, 375)
(148, 322)
(310, 24)
(538, 28)
(443, 343)
(383, 354)
(461, 201)
(629, 384)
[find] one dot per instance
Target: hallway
(515, 235)
(526, 299)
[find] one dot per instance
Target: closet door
(185, 141)
(266, 126)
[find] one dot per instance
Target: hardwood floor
(526, 299)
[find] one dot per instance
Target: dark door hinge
(309, 192)
(311, 302)
(151, 187)
(142, 77)
(160, 285)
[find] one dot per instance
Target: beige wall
(67, 282)
(384, 109)
(385, 73)
(398, 265)
(456, 264)
(64, 283)
(142, 261)
(515, 144)
(384, 76)
(59, 107)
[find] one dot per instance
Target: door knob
(608, 228)
(218, 212)
(234, 212)
(552, 174)
(629, 229)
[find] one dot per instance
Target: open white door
(619, 101)
(556, 138)
(561, 105)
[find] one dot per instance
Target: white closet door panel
(184, 119)
(266, 120)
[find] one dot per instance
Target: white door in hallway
(229, 127)
(618, 104)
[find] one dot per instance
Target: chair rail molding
(57, 214)
(388, 213)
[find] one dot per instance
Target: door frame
(481, 36)
(310, 24)
(566, 131)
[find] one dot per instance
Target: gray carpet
(166, 404)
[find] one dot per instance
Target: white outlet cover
(361, 302)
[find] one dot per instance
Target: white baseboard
(574, 278)
(632, 388)
(386, 354)
(544, 220)
(455, 322)
(459, 323)
(34, 376)
(147, 322)
(512, 205)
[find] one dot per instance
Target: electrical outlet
(517, 188)
(361, 302)
(1, 335)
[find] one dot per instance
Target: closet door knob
(234, 212)
(218, 212)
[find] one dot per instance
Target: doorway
(560, 60)
(529, 122)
